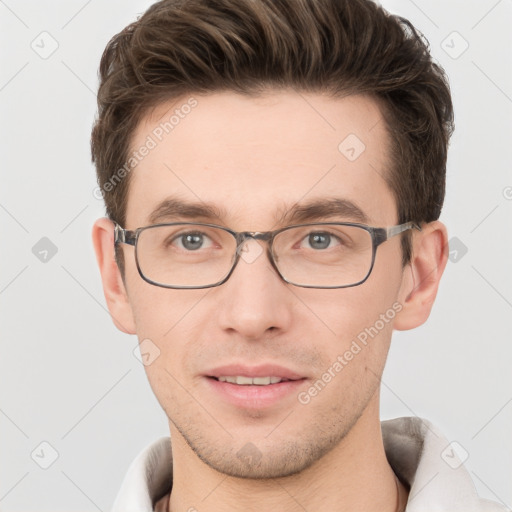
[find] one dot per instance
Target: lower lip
(253, 396)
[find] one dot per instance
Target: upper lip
(266, 370)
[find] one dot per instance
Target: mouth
(241, 380)
(254, 387)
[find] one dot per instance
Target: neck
(354, 476)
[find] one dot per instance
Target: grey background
(70, 379)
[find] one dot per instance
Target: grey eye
(319, 240)
(192, 241)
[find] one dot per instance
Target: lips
(253, 387)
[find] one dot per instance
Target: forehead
(254, 157)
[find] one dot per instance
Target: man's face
(256, 158)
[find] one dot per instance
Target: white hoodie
(416, 451)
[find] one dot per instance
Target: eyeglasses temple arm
(123, 236)
(396, 230)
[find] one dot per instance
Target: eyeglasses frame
(378, 235)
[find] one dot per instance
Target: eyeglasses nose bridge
(265, 236)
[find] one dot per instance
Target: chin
(264, 459)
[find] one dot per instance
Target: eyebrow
(173, 208)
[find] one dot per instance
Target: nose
(255, 300)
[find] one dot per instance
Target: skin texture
(255, 156)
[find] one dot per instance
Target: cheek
(354, 341)
(159, 311)
(345, 313)
(167, 323)
(358, 321)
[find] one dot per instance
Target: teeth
(261, 381)
(248, 381)
(243, 380)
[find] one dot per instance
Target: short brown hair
(336, 46)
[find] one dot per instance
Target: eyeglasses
(189, 255)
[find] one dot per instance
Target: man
(273, 172)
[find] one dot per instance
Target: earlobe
(113, 286)
(422, 275)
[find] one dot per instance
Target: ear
(113, 286)
(422, 275)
